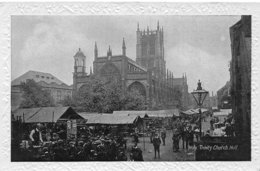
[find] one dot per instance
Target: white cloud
(51, 48)
(212, 70)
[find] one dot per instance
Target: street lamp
(199, 95)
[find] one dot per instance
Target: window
(47, 77)
(42, 76)
(52, 78)
(37, 76)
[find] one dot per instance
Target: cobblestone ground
(166, 151)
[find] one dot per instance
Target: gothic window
(139, 87)
(152, 47)
(109, 71)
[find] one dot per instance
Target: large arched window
(110, 72)
(137, 86)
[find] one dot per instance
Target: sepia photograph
(119, 88)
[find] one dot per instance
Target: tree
(99, 95)
(34, 95)
(68, 101)
(133, 101)
(91, 95)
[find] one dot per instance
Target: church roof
(135, 64)
(178, 81)
(39, 77)
(79, 54)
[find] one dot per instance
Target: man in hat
(36, 135)
(156, 144)
(136, 153)
(176, 139)
(163, 135)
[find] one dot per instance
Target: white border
(122, 8)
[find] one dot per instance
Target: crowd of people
(45, 144)
(186, 132)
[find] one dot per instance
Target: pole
(143, 136)
(52, 117)
(200, 121)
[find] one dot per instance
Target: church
(147, 74)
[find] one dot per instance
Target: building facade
(58, 89)
(147, 74)
(224, 96)
(240, 71)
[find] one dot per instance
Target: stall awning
(221, 113)
(46, 114)
(146, 113)
(194, 111)
(109, 119)
(141, 114)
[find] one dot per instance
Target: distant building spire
(109, 52)
(138, 27)
(124, 47)
(96, 51)
(158, 25)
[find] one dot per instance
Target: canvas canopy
(221, 113)
(141, 114)
(109, 119)
(194, 111)
(145, 113)
(45, 114)
(229, 111)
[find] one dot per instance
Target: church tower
(79, 68)
(150, 50)
(79, 63)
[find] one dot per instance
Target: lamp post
(199, 95)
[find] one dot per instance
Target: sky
(196, 45)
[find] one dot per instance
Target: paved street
(166, 151)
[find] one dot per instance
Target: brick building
(57, 88)
(240, 71)
(148, 74)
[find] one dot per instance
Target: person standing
(35, 135)
(156, 144)
(163, 135)
(152, 135)
(175, 138)
(136, 153)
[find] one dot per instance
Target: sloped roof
(135, 64)
(141, 114)
(46, 114)
(37, 77)
(108, 119)
(194, 111)
(221, 113)
(24, 114)
(156, 113)
(164, 113)
(226, 110)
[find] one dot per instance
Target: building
(224, 97)
(240, 71)
(57, 88)
(147, 74)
